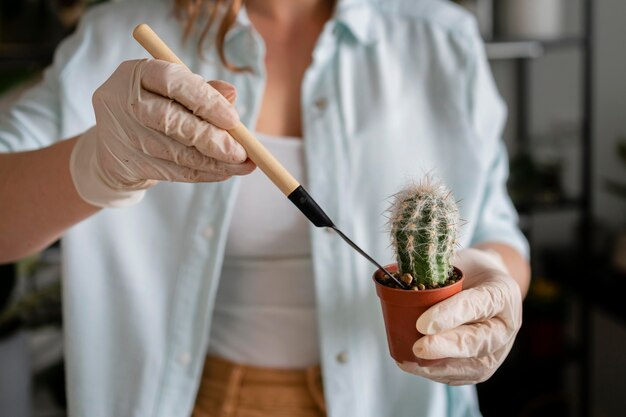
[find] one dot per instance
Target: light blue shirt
(397, 89)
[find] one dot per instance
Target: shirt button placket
(184, 358)
(342, 357)
(208, 232)
(321, 103)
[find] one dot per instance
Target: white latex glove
(156, 121)
(468, 336)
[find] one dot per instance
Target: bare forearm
(516, 264)
(39, 201)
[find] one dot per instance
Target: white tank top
(265, 313)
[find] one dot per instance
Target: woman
(156, 207)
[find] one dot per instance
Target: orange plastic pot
(402, 308)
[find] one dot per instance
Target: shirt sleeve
(34, 119)
(497, 219)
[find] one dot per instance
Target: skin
(44, 202)
(290, 30)
(517, 265)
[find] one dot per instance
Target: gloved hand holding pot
(458, 319)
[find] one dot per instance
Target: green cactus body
(424, 219)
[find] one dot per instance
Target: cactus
(423, 222)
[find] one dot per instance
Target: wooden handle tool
(257, 152)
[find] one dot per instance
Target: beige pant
(228, 389)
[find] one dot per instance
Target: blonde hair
(190, 12)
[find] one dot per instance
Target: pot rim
(426, 291)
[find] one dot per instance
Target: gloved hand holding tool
(468, 336)
(156, 121)
(271, 167)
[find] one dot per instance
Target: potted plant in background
(423, 221)
(532, 19)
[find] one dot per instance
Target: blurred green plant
(531, 181)
(39, 305)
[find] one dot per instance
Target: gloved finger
(139, 164)
(467, 371)
(161, 147)
(451, 373)
(471, 261)
(226, 89)
(466, 341)
(162, 170)
(448, 372)
(169, 171)
(471, 305)
(460, 371)
(189, 89)
(175, 121)
(244, 168)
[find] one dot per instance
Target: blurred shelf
(501, 49)
(547, 206)
(565, 42)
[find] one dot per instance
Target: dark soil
(414, 286)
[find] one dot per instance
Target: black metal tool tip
(369, 258)
(316, 215)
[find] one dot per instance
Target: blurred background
(560, 65)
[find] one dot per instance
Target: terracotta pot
(402, 308)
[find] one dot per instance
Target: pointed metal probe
(305, 203)
(369, 258)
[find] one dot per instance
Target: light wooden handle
(255, 149)
(154, 45)
(274, 170)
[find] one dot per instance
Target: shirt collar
(355, 15)
(358, 17)
(242, 24)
